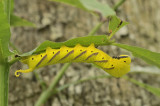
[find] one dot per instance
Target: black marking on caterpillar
(41, 60)
(109, 68)
(54, 56)
(67, 55)
(119, 57)
(80, 54)
(102, 61)
(94, 54)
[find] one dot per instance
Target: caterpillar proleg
(115, 66)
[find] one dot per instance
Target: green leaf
(148, 56)
(17, 21)
(94, 6)
(155, 91)
(84, 41)
(115, 24)
(91, 6)
(4, 32)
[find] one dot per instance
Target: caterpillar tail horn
(17, 73)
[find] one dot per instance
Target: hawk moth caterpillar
(116, 66)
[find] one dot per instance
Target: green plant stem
(96, 28)
(79, 81)
(4, 81)
(149, 88)
(14, 60)
(47, 93)
(7, 4)
(118, 4)
(111, 35)
(39, 79)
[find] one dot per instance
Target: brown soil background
(59, 22)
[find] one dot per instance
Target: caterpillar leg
(17, 73)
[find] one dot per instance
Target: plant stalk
(47, 93)
(4, 83)
(7, 5)
(116, 6)
(40, 80)
(79, 81)
(96, 28)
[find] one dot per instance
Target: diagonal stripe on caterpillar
(115, 66)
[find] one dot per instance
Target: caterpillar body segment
(53, 55)
(37, 61)
(116, 66)
(79, 53)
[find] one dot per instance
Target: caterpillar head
(118, 66)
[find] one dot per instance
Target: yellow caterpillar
(116, 66)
